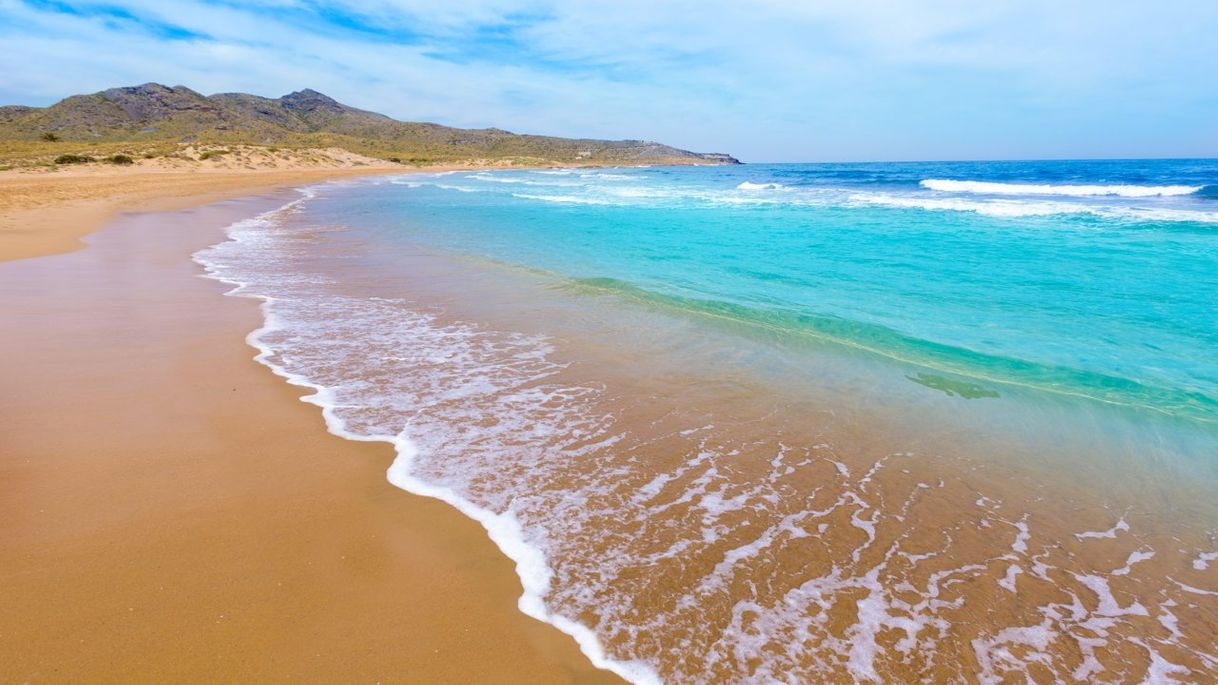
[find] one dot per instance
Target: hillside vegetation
(152, 120)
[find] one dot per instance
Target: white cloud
(768, 79)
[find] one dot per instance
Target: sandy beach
(382, 342)
(171, 512)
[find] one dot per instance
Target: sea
(790, 423)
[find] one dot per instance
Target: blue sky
(767, 80)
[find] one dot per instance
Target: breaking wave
(992, 188)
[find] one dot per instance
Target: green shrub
(209, 154)
(120, 159)
(73, 159)
(50, 137)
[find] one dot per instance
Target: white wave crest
(1029, 208)
(758, 186)
(1004, 208)
(991, 188)
(609, 177)
(563, 199)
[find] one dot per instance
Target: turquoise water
(790, 423)
(1091, 280)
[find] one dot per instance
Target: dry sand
(46, 211)
(169, 510)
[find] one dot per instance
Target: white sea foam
(503, 528)
(1020, 545)
(1194, 590)
(1008, 581)
(518, 179)
(1118, 527)
(995, 658)
(1160, 671)
(507, 534)
(991, 188)
(563, 199)
(605, 176)
(1135, 557)
(494, 178)
(1002, 208)
(605, 188)
(1032, 208)
(1109, 606)
(1202, 562)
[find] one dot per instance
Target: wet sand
(172, 513)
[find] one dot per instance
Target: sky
(767, 80)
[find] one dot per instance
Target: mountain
(153, 113)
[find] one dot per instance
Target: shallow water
(797, 422)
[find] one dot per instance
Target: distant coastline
(123, 125)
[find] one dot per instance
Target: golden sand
(172, 513)
(46, 211)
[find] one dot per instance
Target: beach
(704, 421)
(171, 511)
(771, 343)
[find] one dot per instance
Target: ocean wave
(993, 188)
(518, 180)
(1003, 208)
(563, 199)
(592, 190)
(608, 177)
(1032, 208)
(291, 342)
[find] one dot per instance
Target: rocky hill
(153, 113)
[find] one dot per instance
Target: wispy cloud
(835, 79)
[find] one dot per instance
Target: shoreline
(49, 213)
(501, 529)
(391, 324)
(145, 543)
(130, 296)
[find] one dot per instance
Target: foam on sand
(503, 527)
